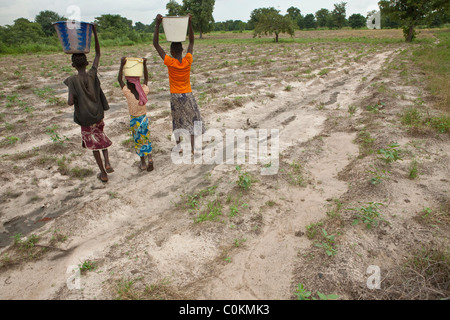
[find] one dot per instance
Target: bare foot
(109, 169)
(102, 178)
(150, 166)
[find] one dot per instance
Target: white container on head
(175, 28)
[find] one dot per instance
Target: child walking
(89, 101)
(136, 95)
(184, 108)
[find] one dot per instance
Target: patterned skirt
(141, 135)
(93, 137)
(185, 112)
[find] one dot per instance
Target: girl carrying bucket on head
(136, 95)
(184, 108)
(86, 94)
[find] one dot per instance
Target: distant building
(374, 21)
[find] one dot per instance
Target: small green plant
(26, 245)
(193, 201)
(112, 194)
(12, 139)
(335, 211)
(296, 174)
(327, 244)
(427, 211)
(80, 173)
(352, 109)
(413, 170)
(366, 142)
(234, 210)
(441, 123)
(311, 230)
(234, 207)
(238, 242)
(54, 136)
(245, 179)
(55, 101)
(63, 168)
(390, 154)
(288, 88)
(376, 107)
(324, 72)
(378, 174)
(66, 69)
(17, 238)
(44, 92)
(270, 203)
(30, 243)
(369, 215)
(213, 211)
(323, 296)
(303, 294)
(435, 216)
(87, 265)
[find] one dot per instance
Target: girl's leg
(103, 176)
(192, 144)
(143, 164)
(178, 142)
(108, 166)
(150, 163)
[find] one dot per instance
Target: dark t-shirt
(90, 102)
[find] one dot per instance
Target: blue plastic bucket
(75, 36)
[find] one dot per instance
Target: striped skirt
(141, 135)
(185, 112)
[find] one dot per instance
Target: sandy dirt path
(140, 228)
(131, 224)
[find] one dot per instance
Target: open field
(361, 140)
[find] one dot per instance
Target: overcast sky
(146, 10)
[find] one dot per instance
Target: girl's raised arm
(97, 48)
(145, 72)
(191, 35)
(158, 48)
(120, 77)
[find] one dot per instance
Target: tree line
(38, 35)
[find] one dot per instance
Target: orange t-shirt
(179, 73)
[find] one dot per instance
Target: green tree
(411, 13)
(294, 13)
(175, 9)
(256, 15)
(322, 17)
(23, 31)
(309, 22)
(296, 16)
(338, 15)
(142, 28)
(112, 26)
(46, 19)
(357, 21)
(113, 23)
(202, 18)
(274, 23)
(301, 22)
